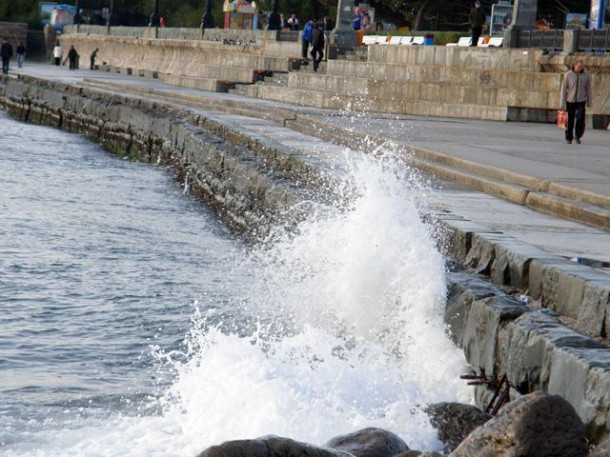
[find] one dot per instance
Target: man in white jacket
(575, 94)
(57, 53)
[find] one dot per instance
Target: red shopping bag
(562, 119)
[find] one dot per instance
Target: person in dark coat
(317, 46)
(477, 20)
(72, 57)
(20, 54)
(92, 59)
(6, 51)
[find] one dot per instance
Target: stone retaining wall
(253, 37)
(228, 177)
(500, 335)
(197, 59)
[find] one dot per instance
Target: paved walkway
(532, 149)
(536, 150)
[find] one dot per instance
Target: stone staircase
(396, 80)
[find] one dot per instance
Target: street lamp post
(77, 17)
(274, 22)
(207, 20)
(343, 34)
(154, 17)
(110, 20)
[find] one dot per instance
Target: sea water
(133, 323)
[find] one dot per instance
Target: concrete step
(432, 91)
(224, 73)
(206, 84)
(240, 89)
(515, 187)
(570, 209)
(429, 72)
(383, 105)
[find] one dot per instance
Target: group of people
(72, 57)
(293, 24)
(6, 51)
(315, 36)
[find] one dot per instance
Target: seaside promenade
(543, 183)
(511, 203)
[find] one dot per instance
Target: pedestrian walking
(293, 22)
(72, 58)
(317, 46)
(575, 96)
(57, 54)
(92, 59)
(306, 38)
(477, 20)
(6, 51)
(21, 54)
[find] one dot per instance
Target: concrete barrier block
(595, 408)
(546, 355)
(561, 285)
(481, 334)
(511, 263)
(528, 364)
(464, 290)
(593, 312)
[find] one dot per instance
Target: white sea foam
(350, 335)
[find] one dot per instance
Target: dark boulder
(418, 454)
(269, 446)
(455, 421)
(537, 425)
(369, 442)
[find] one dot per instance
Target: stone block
(544, 354)
(593, 316)
(511, 262)
(561, 283)
(485, 319)
(464, 290)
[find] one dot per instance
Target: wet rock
(369, 442)
(537, 424)
(455, 421)
(418, 454)
(601, 450)
(238, 448)
(270, 446)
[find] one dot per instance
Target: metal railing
(543, 39)
(177, 33)
(553, 40)
(594, 40)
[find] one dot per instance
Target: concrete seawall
(253, 182)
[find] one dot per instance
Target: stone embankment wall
(251, 183)
(214, 164)
(235, 62)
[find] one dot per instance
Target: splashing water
(341, 328)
